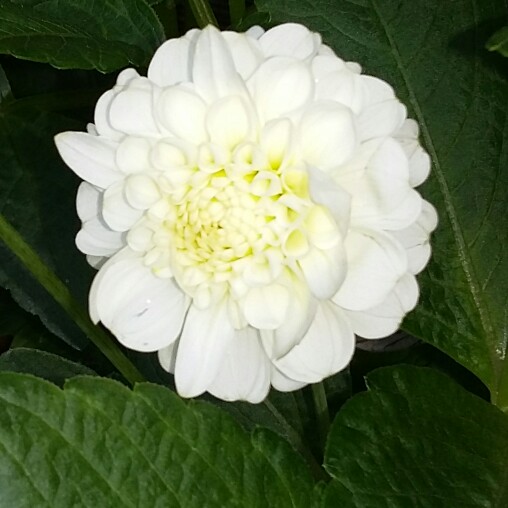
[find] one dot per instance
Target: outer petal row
(144, 312)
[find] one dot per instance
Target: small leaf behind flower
(97, 443)
(76, 34)
(499, 41)
(417, 439)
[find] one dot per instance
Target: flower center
(217, 225)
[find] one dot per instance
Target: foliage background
(422, 425)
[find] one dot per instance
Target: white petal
(419, 160)
(383, 197)
(289, 39)
(173, 154)
(167, 357)
(279, 86)
(302, 308)
(125, 77)
(143, 311)
(101, 116)
(141, 191)
(213, 71)
(324, 270)
(326, 348)
(277, 142)
(255, 32)
(97, 239)
(92, 158)
(95, 261)
(376, 90)
(321, 228)
(324, 190)
(116, 211)
(131, 110)
(385, 318)
(324, 65)
(283, 383)
(375, 262)
(132, 155)
(419, 166)
(229, 121)
(87, 201)
(182, 112)
(415, 238)
(327, 135)
(381, 119)
(205, 339)
(245, 51)
(266, 307)
(244, 373)
(171, 63)
(342, 86)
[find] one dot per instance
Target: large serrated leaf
(70, 34)
(97, 443)
(433, 53)
(417, 439)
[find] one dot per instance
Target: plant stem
(321, 410)
(59, 291)
(296, 441)
(203, 13)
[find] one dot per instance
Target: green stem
(203, 13)
(59, 291)
(236, 11)
(296, 441)
(322, 414)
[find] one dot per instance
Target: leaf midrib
(463, 254)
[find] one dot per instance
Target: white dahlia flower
(250, 206)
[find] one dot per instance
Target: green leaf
(499, 41)
(42, 364)
(417, 439)
(115, 447)
(37, 197)
(432, 53)
(84, 35)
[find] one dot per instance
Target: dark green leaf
(115, 447)
(170, 3)
(42, 364)
(84, 35)
(499, 41)
(417, 439)
(432, 53)
(37, 195)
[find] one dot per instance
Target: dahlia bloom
(250, 207)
